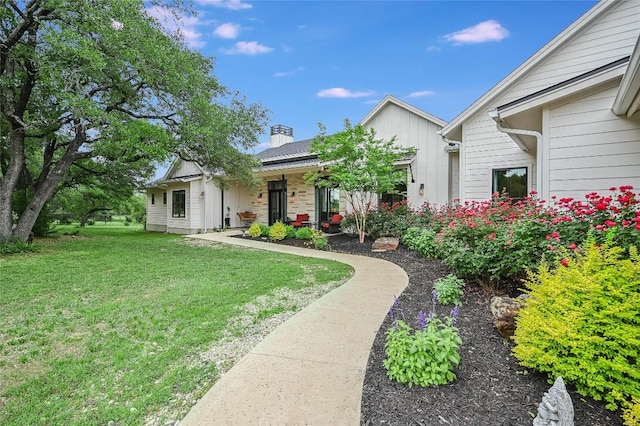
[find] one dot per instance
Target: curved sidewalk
(310, 370)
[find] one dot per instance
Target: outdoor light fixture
(421, 191)
(293, 197)
(260, 197)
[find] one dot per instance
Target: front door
(277, 201)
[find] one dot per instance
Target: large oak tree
(98, 86)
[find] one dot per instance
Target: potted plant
(227, 219)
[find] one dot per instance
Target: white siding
(591, 149)
(179, 224)
(431, 166)
(157, 212)
(611, 37)
(184, 168)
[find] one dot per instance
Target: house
(189, 200)
(564, 123)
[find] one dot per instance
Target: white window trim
(516, 165)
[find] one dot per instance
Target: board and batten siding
(431, 165)
(156, 213)
(590, 148)
(184, 168)
(610, 37)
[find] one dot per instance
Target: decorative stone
(504, 310)
(385, 243)
(556, 408)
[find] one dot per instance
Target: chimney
(280, 135)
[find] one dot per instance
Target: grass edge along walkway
(310, 370)
(87, 338)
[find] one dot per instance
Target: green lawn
(110, 325)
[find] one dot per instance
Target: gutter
(452, 146)
(495, 115)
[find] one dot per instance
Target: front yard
(116, 324)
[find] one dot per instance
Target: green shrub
(16, 246)
(319, 240)
(422, 240)
(278, 231)
(631, 413)
(291, 231)
(304, 233)
(264, 230)
(255, 230)
(582, 322)
(448, 290)
(423, 357)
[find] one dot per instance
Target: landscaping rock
(385, 244)
(504, 310)
(556, 408)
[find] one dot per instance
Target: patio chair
(302, 219)
(332, 226)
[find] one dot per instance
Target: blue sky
(310, 61)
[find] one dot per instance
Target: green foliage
(360, 165)
(255, 230)
(319, 240)
(424, 357)
(391, 220)
(278, 231)
(448, 290)
(582, 322)
(304, 233)
(16, 246)
(422, 240)
(291, 231)
(140, 94)
(264, 230)
(631, 413)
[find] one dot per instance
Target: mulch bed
(491, 388)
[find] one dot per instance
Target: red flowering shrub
(498, 239)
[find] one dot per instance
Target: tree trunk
(9, 182)
(87, 215)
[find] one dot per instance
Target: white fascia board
(627, 100)
(565, 91)
(393, 100)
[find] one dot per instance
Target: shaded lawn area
(110, 325)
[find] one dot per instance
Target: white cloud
(288, 73)
(420, 94)
(227, 30)
(432, 49)
(339, 92)
(174, 23)
(226, 4)
(248, 48)
(484, 31)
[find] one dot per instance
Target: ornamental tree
(360, 165)
(99, 86)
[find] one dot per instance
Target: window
(153, 198)
(178, 208)
(400, 194)
(513, 181)
(164, 198)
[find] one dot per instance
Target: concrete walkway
(310, 370)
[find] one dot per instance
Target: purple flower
(422, 319)
(454, 313)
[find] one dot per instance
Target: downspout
(495, 115)
(456, 145)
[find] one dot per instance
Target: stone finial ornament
(556, 408)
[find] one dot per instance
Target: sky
(324, 61)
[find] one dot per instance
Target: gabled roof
(388, 99)
(627, 101)
(547, 50)
(288, 151)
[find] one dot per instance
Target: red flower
(610, 223)
(572, 246)
(601, 206)
(564, 262)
